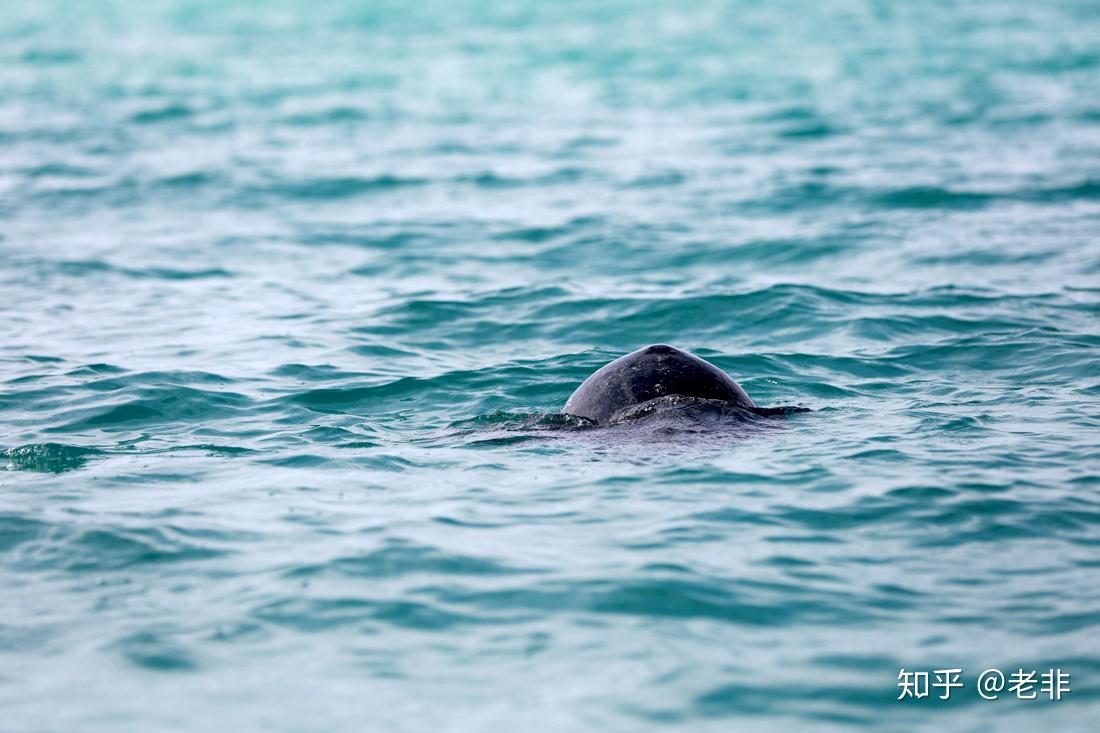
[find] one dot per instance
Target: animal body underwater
(659, 380)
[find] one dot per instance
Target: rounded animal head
(646, 374)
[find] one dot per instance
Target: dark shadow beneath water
(670, 419)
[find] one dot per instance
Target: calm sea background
(285, 287)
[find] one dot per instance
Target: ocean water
(289, 290)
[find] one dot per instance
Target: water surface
(285, 287)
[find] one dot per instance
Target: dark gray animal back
(655, 371)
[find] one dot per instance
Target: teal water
(286, 287)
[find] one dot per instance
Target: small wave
(330, 189)
(321, 614)
(809, 131)
(191, 180)
(350, 398)
(553, 178)
(83, 268)
(51, 56)
(59, 170)
(105, 549)
(48, 457)
(827, 703)
(932, 197)
(301, 460)
(16, 529)
(172, 405)
(332, 115)
(400, 559)
(659, 180)
(165, 113)
(670, 597)
(156, 652)
(541, 234)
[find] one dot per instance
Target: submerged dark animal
(656, 378)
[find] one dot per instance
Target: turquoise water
(285, 289)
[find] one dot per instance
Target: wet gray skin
(658, 377)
